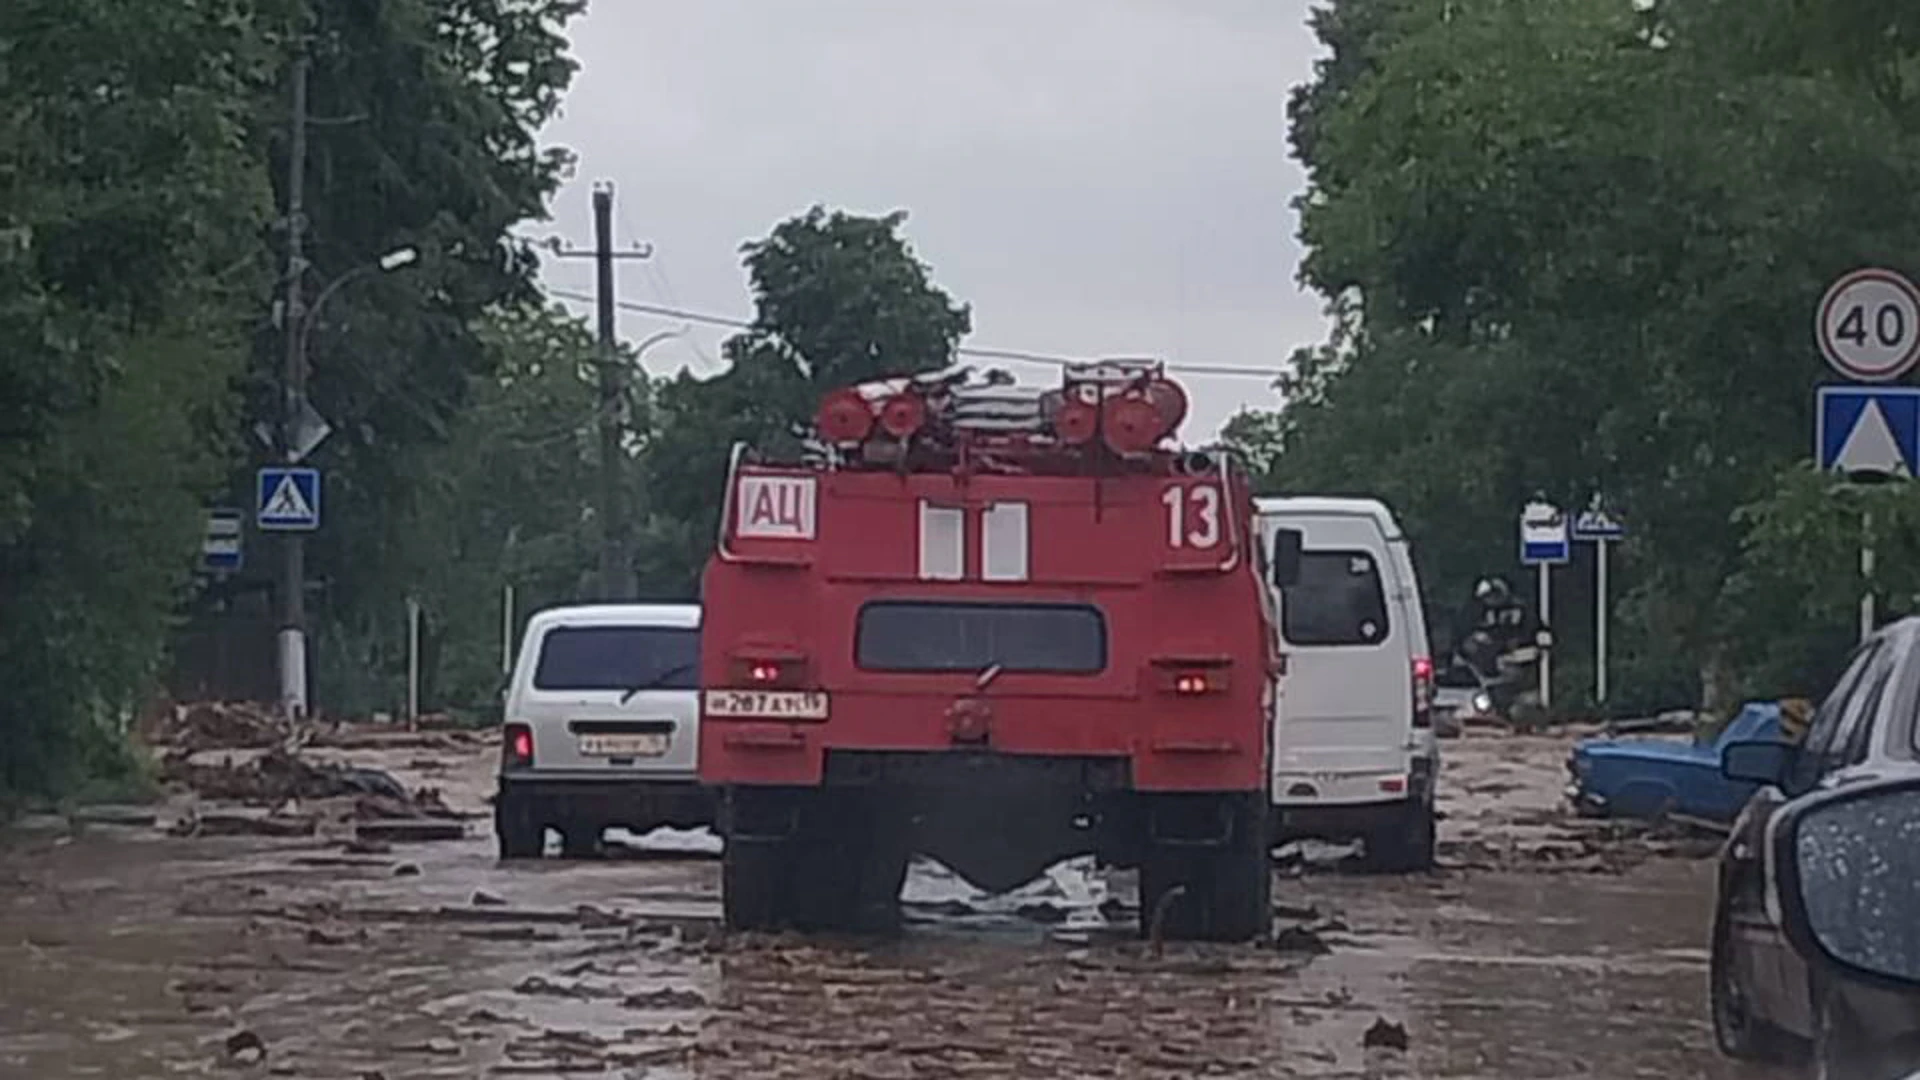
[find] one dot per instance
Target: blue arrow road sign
(1868, 429)
(288, 499)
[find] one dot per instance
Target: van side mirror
(1283, 558)
(1757, 761)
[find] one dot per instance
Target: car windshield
(925, 636)
(619, 658)
(1337, 600)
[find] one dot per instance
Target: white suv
(601, 727)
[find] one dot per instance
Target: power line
(1017, 356)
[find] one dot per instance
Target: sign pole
(1866, 574)
(1546, 619)
(1600, 622)
(413, 662)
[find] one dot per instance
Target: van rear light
(516, 746)
(1422, 692)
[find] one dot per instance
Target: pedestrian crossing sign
(289, 499)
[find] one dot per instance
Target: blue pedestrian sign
(1868, 430)
(1544, 537)
(288, 499)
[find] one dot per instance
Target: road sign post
(1544, 543)
(1596, 526)
(1868, 327)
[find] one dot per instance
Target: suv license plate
(768, 704)
(650, 745)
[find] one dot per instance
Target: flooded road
(1536, 952)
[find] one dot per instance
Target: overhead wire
(1019, 356)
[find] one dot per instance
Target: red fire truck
(1000, 628)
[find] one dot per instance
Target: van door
(1347, 705)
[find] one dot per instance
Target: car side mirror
(1848, 866)
(1283, 557)
(1757, 761)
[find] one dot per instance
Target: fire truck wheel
(519, 835)
(1228, 890)
(756, 880)
(580, 841)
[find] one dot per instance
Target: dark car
(1774, 996)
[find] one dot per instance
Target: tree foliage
(129, 207)
(838, 299)
(143, 157)
(1573, 247)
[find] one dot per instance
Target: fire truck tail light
(844, 417)
(903, 415)
(1191, 684)
(516, 746)
(767, 668)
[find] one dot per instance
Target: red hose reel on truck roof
(1127, 406)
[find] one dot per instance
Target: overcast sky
(1093, 176)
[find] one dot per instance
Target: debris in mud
(436, 1047)
(1301, 939)
(277, 776)
(406, 869)
(217, 725)
(541, 986)
(245, 1048)
(1386, 1034)
(483, 898)
(666, 997)
(243, 824)
(1042, 911)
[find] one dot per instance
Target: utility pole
(293, 571)
(616, 571)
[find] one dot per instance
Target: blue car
(1648, 778)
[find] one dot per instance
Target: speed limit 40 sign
(1869, 325)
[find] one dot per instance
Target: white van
(1355, 755)
(602, 727)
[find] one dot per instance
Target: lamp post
(300, 321)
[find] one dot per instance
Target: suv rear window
(1337, 601)
(619, 658)
(902, 635)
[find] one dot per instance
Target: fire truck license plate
(648, 745)
(768, 704)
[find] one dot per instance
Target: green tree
(130, 208)
(1574, 247)
(838, 299)
(425, 134)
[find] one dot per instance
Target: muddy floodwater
(1542, 948)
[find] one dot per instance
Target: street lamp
(293, 571)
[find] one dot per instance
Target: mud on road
(1544, 947)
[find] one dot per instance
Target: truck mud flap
(1190, 821)
(759, 819)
